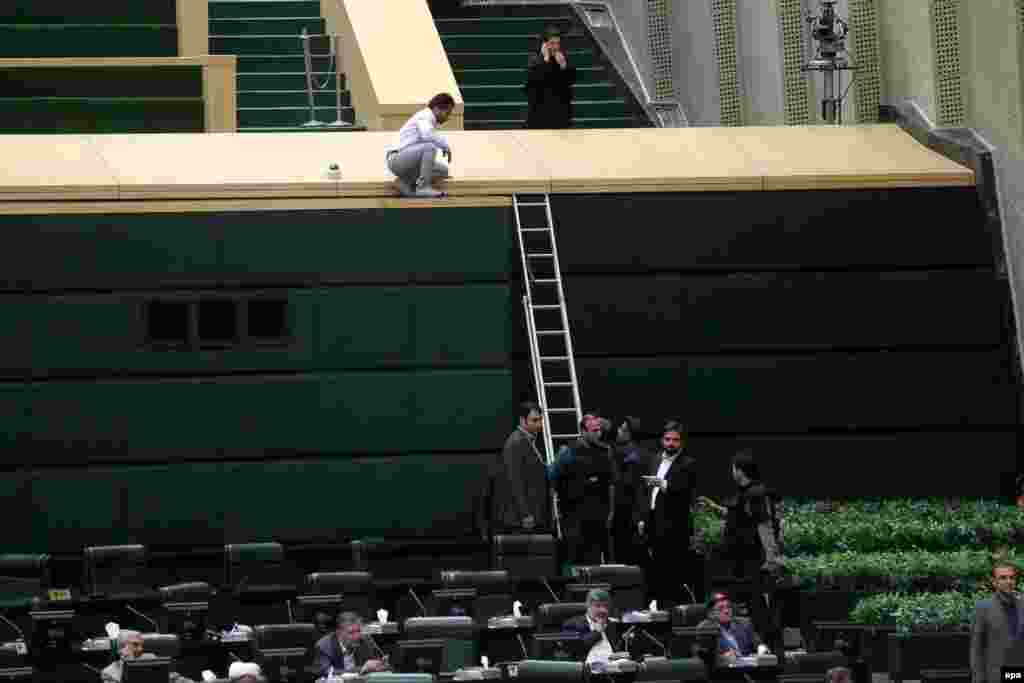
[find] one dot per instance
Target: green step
(518, 124)
(258, 9)
(288, 116)
(515, 110)
(469, 77)
(88, 40)
(101, 115)
(159, 81)
(290, 98)
(267, 27)
(283, 81)
(482, 42)
(512, 60)
(456, 11)
(509, 93)
(266, 45)
(79, 12)
(270, 63)
(533, 25)
(303, 129)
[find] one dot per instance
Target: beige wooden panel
(393, 59)
(193, 27)
(866, 156)
(183, 165)
(218, 205)
(54, 167)
(642, 160)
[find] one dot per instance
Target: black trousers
(673, 572)
(586, 540)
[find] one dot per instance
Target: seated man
(131, 646)
(346, 651)
(737, 637)
(414, 161)
(598, 634)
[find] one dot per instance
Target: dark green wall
(395, 385)
(857, 341)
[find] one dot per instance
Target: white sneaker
(404, 188)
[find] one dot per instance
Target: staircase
(265, 35)
(489, 49)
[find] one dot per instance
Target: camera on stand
(829, 30)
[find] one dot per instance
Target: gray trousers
(416, 162)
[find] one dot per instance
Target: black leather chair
(261, 582)
(186, 609)
(285, 651)
(624, 582)
(118, 573)
(162, 644)
(672, 670)
(550, 617)
(328, 593)
(23, 577)
(481, 595)
(526, 556)
(458, 633)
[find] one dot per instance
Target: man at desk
(736, 636)
(346, 651)
(598, 635)
(130, 645)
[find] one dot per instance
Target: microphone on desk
(664, 650)
(628, 636)
(548, 586)
(415, 597)
(156, 627)
(376, 646)
(21, 634)
(522, 646)
(692, 596)
(291, 616)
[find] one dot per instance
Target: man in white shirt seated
(413, 160)
(598, 635)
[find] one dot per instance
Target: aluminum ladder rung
(534, 252)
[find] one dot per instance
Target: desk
(647, 627)
(746, 669)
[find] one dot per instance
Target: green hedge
(900, 571)
(876, 526)
(924, 612)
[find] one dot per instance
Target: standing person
(752, 544)
(521, 501)
(632, 462)
(413, 160)
(549, 85)
(671, 485)
(585, 477)
(996, 625)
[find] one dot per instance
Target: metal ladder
(547, 325)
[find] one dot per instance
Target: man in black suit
(671, 486)
(598, 636)
(520, 498)
(346, 651)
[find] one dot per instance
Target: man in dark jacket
(632, 462)
(520, 497)
(549, 85)
(737, 637)
(585, 476)
(599, 637)
(346, 651)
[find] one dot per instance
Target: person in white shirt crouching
(598, 634)
(414, 160)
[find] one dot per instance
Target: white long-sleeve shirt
(420, 128)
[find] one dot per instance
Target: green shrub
(899, 571)
(924, 612)
(873, 526)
